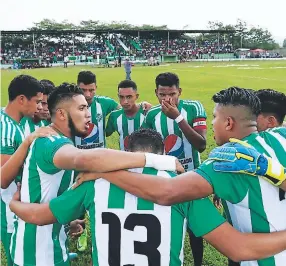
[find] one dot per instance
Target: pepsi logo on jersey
(173, 145)
(92, 135)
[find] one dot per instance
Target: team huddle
(142, 199)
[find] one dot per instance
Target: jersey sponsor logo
(92, 135)
(185, 162)
(174, 145)
(126, 139)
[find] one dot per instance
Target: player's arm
(106, 160)
(245, 246)
(196, 136)
(109, 126)
(12, 164)
(164, 191)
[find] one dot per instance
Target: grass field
(199, 81)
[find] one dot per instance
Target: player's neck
(36, 119)
(12, 110)
(61, 130)
(133, 111)
(244, 132)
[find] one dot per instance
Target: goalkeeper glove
(239, 157)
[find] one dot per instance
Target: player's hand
(239, 157)
(40, 133)
(146, 106)
(84, 177)
(17, 194)
(170, 109)
(76, 228)
(179, 168)
(217, 202)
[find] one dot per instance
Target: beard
(73, 129)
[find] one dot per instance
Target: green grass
(199, 81)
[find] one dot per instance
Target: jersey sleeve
(72, 203)
(8, 145)
(228, 186)
(200, 116)
(108, 105)
(202, 217)
(110, 126)
(45, 157)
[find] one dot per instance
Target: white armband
(179, 119)
(160, 162)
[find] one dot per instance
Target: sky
(177, 14)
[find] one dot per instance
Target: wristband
(179, 119)
(160, 162)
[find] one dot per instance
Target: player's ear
(137, 96)
(180, 91)
(272, 122)
(61, 114)
(229, 123)
(21, 99)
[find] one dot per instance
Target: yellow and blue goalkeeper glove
(238, 156)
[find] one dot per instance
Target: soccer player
(48, 172)
(130, 117)
(100, 107)
(182, 124)
(251, 204)
(273, 109)
(25, 96)
(131, 231)
(40, 118)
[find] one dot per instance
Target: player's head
(48, 82)
(44, 113)
(69, 109)
(146, 140)
(127, 94)
(273, 109)
(168, 87)
(86, 80)
(235, 114)
(27, 92)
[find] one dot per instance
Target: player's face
(265, 121)
(32, 106)
(219, 125)
(165, 93)
(127, 98)
(44, 113)
(79, 116)
(88, 91)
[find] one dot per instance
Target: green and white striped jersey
(100, 107)
(127, 230)
(124, 125)
(252, 204)
(12, 136)
(176, 143)
(42, 181)
(30, 126)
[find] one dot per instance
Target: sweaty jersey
(176, 144)
(42, 181)
(124, 125)
(12, 136)
(29, 126)
(100, 107)
(127, 230)
(251, 203)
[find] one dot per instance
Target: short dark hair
(127, 84)
(48, 81)
(24, 85)
(64, 92)
(273, 102)
(236, 96)
(48, 86)
(146, 139)
(167, 79)
(86, 77)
